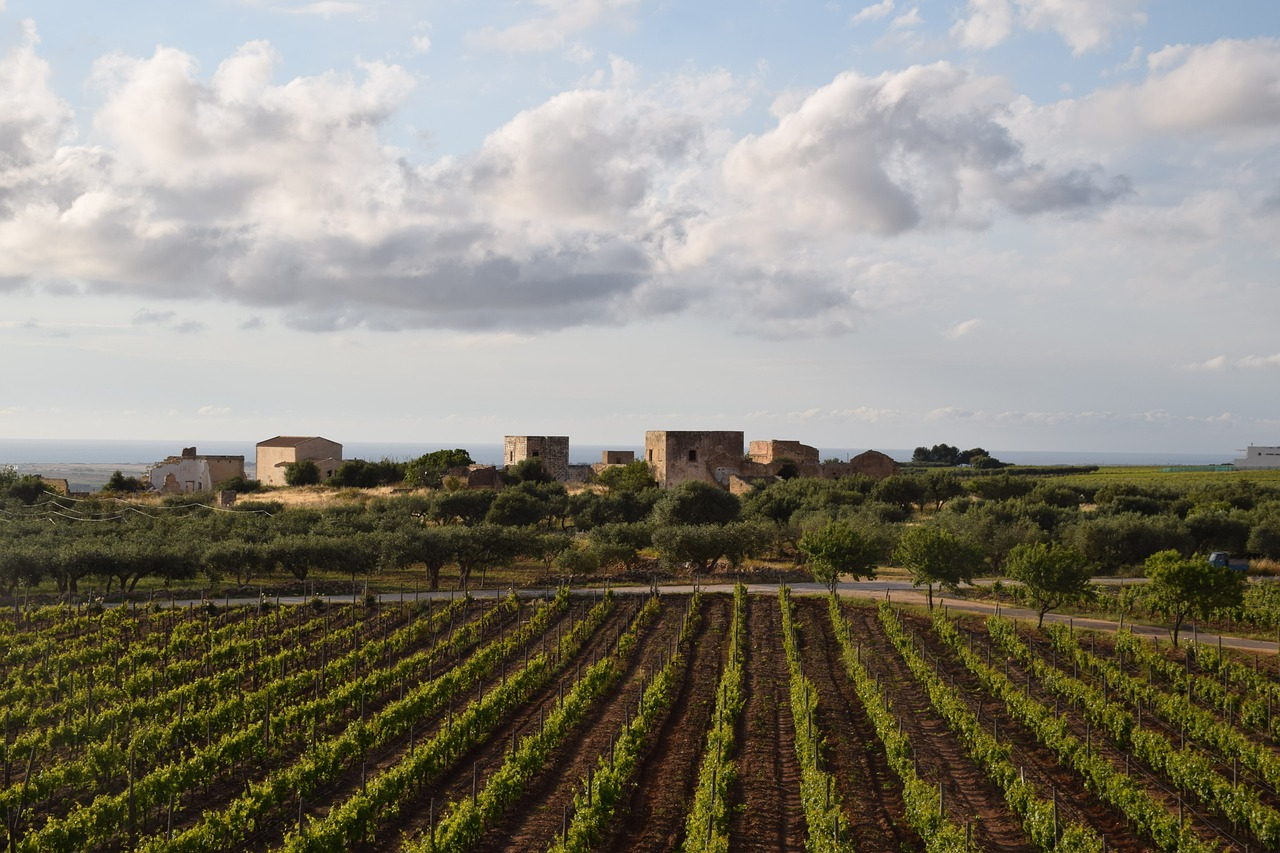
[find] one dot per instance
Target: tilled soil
(870, 792)
(231, 785)
(1116, 831)
(653, 817)
(318, 804)
(968, 796)
(767, 813)
(456, 782)
(535, 818)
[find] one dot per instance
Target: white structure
(275, 453)
(1259, 457)
(192, 472)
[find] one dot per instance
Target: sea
(87, 464)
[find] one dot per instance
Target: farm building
(192, 472)
(1259, 457)
(275, 453)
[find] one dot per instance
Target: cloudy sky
(1021, 224)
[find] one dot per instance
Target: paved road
(895, 590)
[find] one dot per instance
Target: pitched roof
(290, 440)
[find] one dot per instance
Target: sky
(1015, 224)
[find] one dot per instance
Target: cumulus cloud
(1227, 91)
(213, 411)
(920, 148)
(1084, 25)
(873, 12)
(549, 30)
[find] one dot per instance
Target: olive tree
(838, 549)
(1189, 586)
(935, 556)
(1052, 574)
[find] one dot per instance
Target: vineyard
(624, 722)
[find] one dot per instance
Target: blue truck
(1223, 560)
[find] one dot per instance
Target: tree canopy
(1052, 573)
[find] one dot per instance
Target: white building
(192, 472)
(1259, 457)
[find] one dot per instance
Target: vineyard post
(1056, 832)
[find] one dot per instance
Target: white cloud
(559, 20)
(921, 148)
(1254, 362)
(908, 20)
(421, 43)
(1084, 25)
(214, 411)
(1218, 362)
(961, 329)
(873, 12)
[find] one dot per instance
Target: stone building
(677, 457)
(774, 450)
(551, 450)
(192, 472)
(275, 453)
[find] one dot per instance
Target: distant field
(1165, 477)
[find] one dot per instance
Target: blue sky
(1024, 224)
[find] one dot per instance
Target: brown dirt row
(767, 814)
(1103, 646)
(653, 818)
(272, 828)
(1150, 721)
(1208, 827)
(870, 791)
(234, 780)
(1038, 764)
(536, 818)
(968, 796)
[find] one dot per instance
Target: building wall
(772, 450)
(677, 457)
(1259, 457)
(271, 458)
(551, 450)
(617, 457)
(192, 473)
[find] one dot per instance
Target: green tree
(839, 549)
(1188, 586)
(465, 506)
(304, 472)
(118, 483)
(1052, 574)
(428, 470)
(694, 503)
(632, 477)
(530, 470)
(935, 556)
(900, 490)
(1264, 538)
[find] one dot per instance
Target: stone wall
(677, 457)
(773, 450)
(551, 450)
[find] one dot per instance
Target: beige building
(192, 472)
(275, 453)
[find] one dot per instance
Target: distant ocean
(26, 452)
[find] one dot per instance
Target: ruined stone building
(275, 453)
(551, 450)
(676, 457)
(192, 472)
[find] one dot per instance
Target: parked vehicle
(1222, 560)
